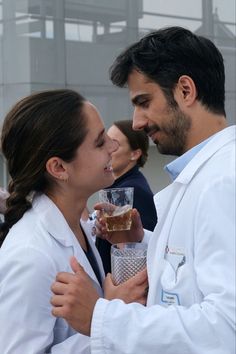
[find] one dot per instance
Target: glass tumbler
(127, 259)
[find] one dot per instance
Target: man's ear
(135, 154)
(55, 167)
(185, 90)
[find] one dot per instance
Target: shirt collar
(175, 167)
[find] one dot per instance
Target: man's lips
(152, 133)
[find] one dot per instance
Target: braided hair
(40, 126)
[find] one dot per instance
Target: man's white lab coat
(191, 267)
(35, 250)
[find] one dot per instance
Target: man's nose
(139, 121)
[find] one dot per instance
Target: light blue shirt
(175, 167)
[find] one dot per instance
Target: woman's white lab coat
(191, 267)
(35, 250)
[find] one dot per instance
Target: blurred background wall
(47, 44)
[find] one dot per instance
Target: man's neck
(203, 128)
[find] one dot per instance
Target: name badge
(170, 298)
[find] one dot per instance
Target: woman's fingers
(134, 289)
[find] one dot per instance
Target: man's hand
(134, 289)
(135, 234)
(74, 298)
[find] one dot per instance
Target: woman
(58, 154)
(131, 154)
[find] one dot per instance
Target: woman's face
(122, 157)
(91, 170)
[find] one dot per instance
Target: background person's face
(121, 158)
(165, 123)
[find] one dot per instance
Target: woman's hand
(135, 234)
(134, 289)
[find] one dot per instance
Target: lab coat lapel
(57, 227)
(166, 202)
(81, 257)
(217, 142)
(87, 229)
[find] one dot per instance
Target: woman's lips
(108, 168)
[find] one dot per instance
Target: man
(176, 84)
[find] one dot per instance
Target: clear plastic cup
(118, 212)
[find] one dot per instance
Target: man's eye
(144, 104)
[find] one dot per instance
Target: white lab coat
(38, 247)
(191, 267)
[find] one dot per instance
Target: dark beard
(175, 134)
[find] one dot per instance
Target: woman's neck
(71, 209)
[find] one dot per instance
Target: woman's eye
(100, 143)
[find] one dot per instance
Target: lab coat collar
(53, 220)
(55, 224)
(163, 198)
(168, 200)
(217, 142)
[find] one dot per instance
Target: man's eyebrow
(100, 136)
(136, 100)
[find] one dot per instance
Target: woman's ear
(135, 154)
(55, 167)
(185, 91)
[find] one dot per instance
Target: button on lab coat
(35, 250)
(191, 267)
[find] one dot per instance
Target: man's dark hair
(166, 54)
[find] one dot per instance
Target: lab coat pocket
(176, 283)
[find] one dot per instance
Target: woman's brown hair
(137, 139)
(38, 127)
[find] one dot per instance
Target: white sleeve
(202, 328)
(27, 325)
(147, 236)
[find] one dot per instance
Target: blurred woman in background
(127, 160)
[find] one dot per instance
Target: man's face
(161, 119)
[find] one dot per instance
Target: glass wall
(72, 43)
